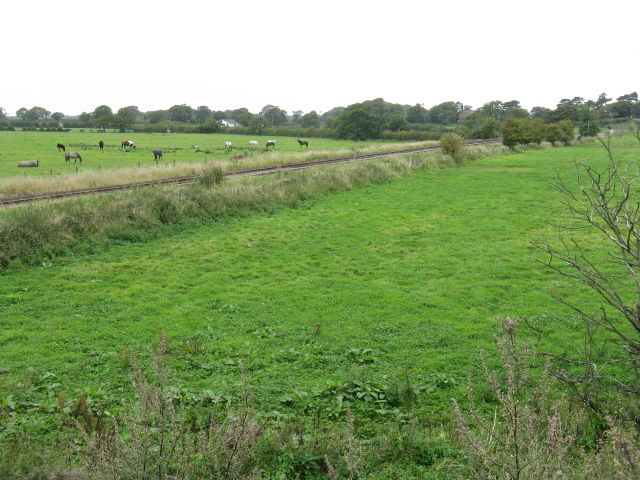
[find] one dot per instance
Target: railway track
(9, 201)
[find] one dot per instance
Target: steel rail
(258, 171)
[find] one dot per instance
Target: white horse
(254, 143)
(228, 146)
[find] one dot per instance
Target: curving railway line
(9, 201)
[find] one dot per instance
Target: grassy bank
(32, 235)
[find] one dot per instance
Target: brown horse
(129, 144)
(101, 144)
(60, 147)
(75, 155)
(271, 143)
(303, 142)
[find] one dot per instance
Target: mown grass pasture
(361, 295)
(18, 146)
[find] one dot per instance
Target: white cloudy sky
(71, 56)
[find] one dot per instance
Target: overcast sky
(72, 56)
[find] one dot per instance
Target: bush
(212, 176)
(451, 143)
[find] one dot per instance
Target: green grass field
(18, 146)
(376, 287)
(413, 272)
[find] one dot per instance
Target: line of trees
(369, 119)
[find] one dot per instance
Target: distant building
(230, 123)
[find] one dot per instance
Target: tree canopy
(357, 122)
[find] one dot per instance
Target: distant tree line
(371, 119)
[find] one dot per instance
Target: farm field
(377, 287)
(177, 148)
(412, 272)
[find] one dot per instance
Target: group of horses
(270, 143)
(157, 153)
(76, 156)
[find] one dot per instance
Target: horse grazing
(228, 146)
(253, 143)
(303, 142)
(60, 147)
(129, 144)
(235, 158)
(157, 154)
(101, 144)
(271, 143)
(75, 155)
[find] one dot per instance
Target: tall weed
(530, 434)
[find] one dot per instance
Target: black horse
(60, 147)
(101, 144)
(157, 154)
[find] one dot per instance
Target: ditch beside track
(10, 201)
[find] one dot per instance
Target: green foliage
(157, 116)
(202, 114)
(451, 143)
(33, 114)
(589, 125)
(562, 112)
(180, 113)
(102, 111)
(243, 116)
(210, 126)
(397, 122)
(125, 118)
(445, 113)
(275, 115)
(258, 125)
(417, 114)
(357, 122)
(525, 131)
(212, 176)
(478, 125)
(310, 119)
